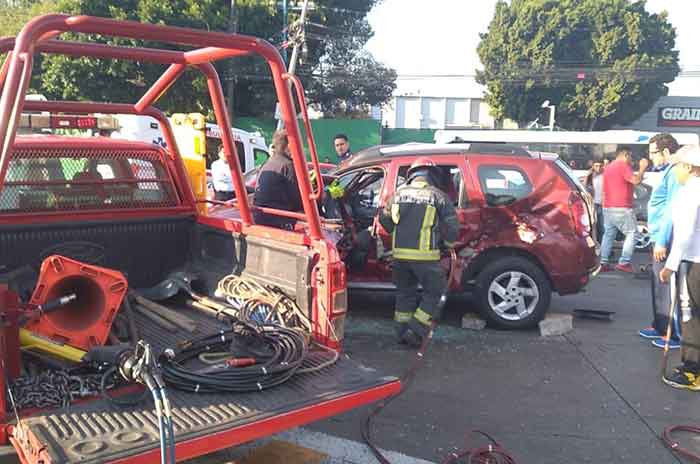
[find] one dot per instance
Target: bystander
(342, 147)
(618, 186)
(684, 254)
(221, 177)
(594, 185)
(660, 223)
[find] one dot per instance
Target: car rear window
(79, 180)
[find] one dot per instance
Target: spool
(86, 321)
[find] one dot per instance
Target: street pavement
(593, 395)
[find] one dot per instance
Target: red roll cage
(39, 35)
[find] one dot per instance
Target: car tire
(512, 293)
(642, 239)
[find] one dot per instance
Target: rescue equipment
(85, 321)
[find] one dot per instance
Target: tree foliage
(601, 62)
(333, 49)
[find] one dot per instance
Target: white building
(437, 102)
(670, 114)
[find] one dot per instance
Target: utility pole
(284, 30)
(231, 81)
(298, 41)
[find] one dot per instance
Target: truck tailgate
(99, 431)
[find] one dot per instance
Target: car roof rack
(377, 152)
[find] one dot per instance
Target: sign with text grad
(679, 116)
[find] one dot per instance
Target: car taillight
(579, 215)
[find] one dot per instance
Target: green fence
(362, 133)
(393, 136)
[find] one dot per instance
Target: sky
(440, 36)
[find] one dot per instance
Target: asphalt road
(593, 395)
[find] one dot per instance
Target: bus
(577, 149)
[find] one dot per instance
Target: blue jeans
(617, 220)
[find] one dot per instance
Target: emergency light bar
(66, 121)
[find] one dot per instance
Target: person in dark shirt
(277, 185)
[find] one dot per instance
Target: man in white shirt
(594, 185)
(221, 178)
(685, 253)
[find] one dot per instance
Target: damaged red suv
(526, 224)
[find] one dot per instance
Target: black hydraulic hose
(278, 353)
(167, 412)
(153, 388)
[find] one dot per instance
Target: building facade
(670, 114)
(437, 102)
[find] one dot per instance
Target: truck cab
(129, 206)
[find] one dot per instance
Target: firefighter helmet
(423, 166)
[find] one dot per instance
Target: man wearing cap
(420, 218)
(681, 266)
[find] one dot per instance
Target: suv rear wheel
(513, 293)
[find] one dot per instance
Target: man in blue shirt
(660, 223)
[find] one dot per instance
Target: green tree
(337, 32)
(601, 62)
(14, 14)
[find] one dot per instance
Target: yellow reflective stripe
(402, 317)
(416, 255)
(395, 213)
(426, 228)
(422, 317)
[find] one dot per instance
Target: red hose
(674, 446)
(493, 453)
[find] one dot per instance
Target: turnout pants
(409, 310)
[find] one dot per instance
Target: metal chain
(52, 389)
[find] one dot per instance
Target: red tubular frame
(37, 34)
(299, 90)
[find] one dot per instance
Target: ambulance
(195, 137)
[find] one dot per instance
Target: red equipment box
(86, 321)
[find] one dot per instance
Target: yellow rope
(250, 292)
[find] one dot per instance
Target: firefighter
(420, 218)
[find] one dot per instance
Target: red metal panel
(9, 347)
(263, 428)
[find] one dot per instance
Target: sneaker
(650, 333)
(605, 268)
(627, 268)
(661, 343)
(683, 379)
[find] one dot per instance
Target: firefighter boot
(411, 338)
(401, 320)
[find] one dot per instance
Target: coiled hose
(261, 303)
(277, 353)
